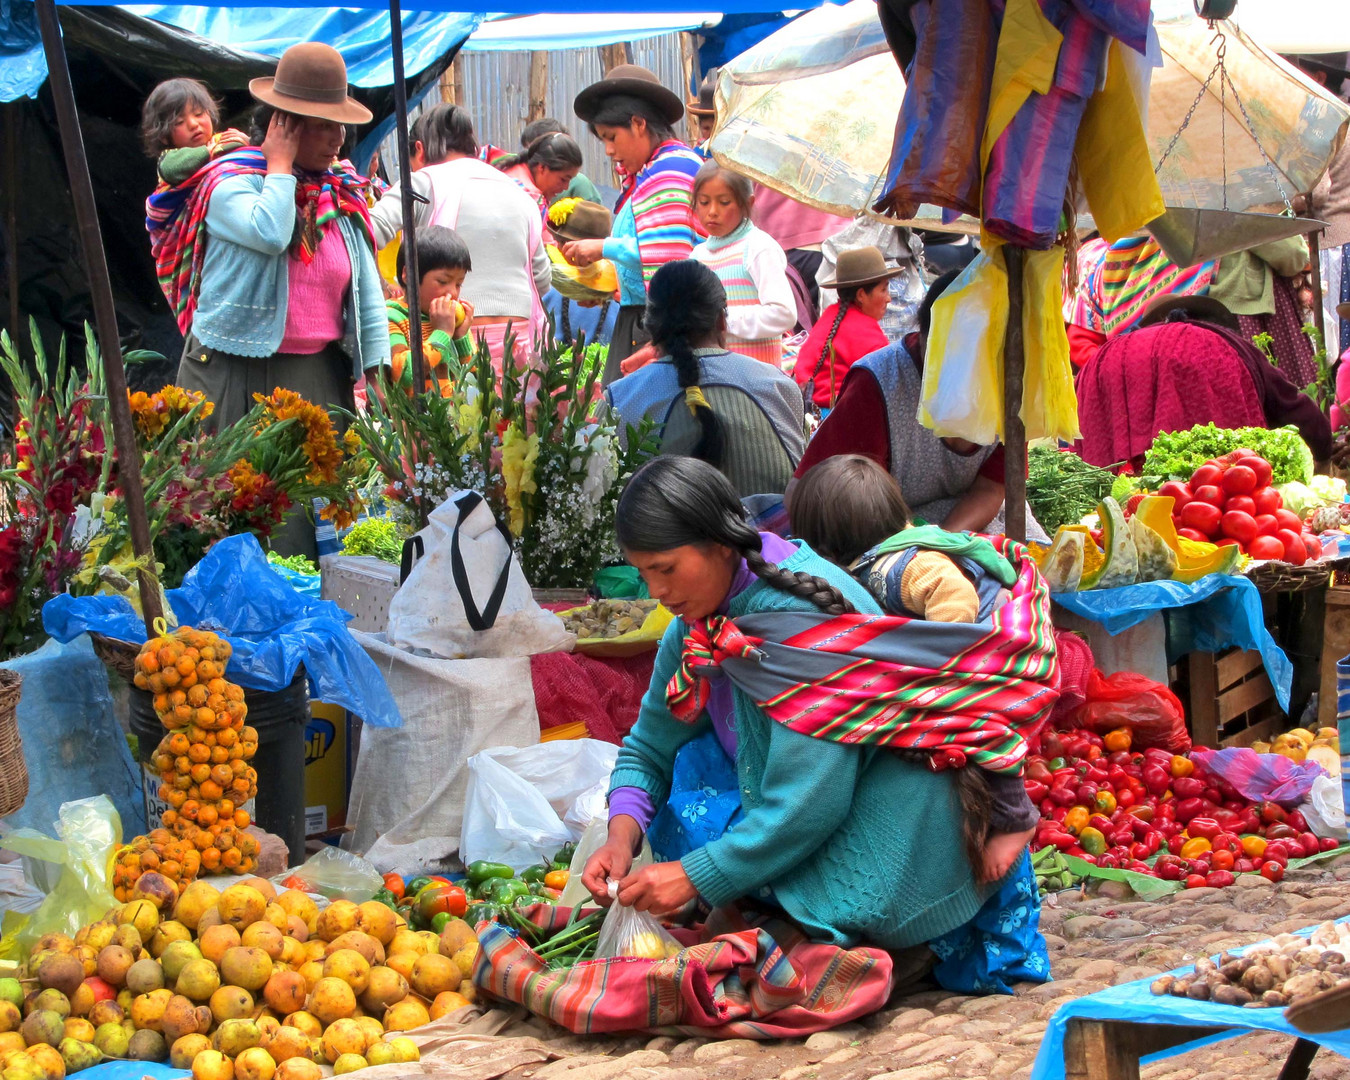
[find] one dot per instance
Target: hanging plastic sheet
(1217, 612)
(23, 67)
(273, 629)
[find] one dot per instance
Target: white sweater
(776, 312)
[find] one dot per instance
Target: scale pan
(1189, 235)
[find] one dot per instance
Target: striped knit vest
(725, 257)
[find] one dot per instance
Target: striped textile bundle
(964, 691)
(662, 193)
(764, 981)
(1134, 272)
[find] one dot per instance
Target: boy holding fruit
(443, 260)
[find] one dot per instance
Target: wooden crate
(1231, 701)
(1335, 647)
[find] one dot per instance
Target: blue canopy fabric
(510, 33)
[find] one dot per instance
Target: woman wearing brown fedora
(283, 274)
(634, 116)
(704, 109)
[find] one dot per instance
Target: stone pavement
(932, 1035)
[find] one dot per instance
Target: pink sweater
(317, 297)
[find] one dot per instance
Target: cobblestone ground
(932, 1035)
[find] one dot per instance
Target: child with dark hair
(443, 261)
(851, 510)
(178, 127)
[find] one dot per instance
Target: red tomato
(1267, 524)
(1261, 467)
(1239, 526)
(1210, 493)
(1208, 473)
(1272, 871)
(1195, 881)
(1196, 535)
(1267, 500)
(1178, 492)
(1266, 547)
(1243, 504)
(1313, 546)
(1223, 860)
(1289, 520)
(1294, 551)
(1239, 480)
(1203, 516)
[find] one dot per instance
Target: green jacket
(856, 843)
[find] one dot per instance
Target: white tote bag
(464, 595)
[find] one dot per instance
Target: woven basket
(1278, 577)
(119, 656)
(13, 771)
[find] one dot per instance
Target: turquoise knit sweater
(856, 843)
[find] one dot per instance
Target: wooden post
(1014, 432)
(1315, 261)
(538, 98)
(687, 63)
(450, 94)
(413, 279)
(611, 56)
(105, 315)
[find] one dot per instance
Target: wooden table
(1111, 1049)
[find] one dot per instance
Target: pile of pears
(244, 984)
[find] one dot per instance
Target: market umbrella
(810, 112)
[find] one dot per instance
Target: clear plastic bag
(334, 873)
(629, 932)
(88, 832)
(592, 840)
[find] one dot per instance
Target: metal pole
(1014, 432)
(12, 213)
(1315, 261)
(105, 315)
(414, 279)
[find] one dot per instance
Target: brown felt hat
(705, 104)
(1204, 308)
(311, 80)
(629, 80)
(587, 221)
(860, 266)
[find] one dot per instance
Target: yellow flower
(519, 455)
(469, 421)
(351, 441)
(560, 211)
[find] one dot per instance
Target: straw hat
(1205, 308)
(587, 221)
(311, 80)
(705, 103)
(631, 81)
(861, 266)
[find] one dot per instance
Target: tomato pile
(1229, 500)
(1114, 807)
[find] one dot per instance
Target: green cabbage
(1298, 498)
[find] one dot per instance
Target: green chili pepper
(476, 913)
(481, 871)
(534, 874)
(416, 883)
(439, 920)
(563, 860)
(505, 890)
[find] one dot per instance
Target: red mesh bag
(1148, 709)
(604, 694)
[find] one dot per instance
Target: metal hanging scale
(1189, 235)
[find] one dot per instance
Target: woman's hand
(583, 252)
(659, 888)
(282, 142)
(611, 862)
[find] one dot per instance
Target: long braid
(567, 323)
(711, 441)
(846, 297)
(806, 586)
(977, 806)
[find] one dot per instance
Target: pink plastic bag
(1150, 711)
(1261, 777)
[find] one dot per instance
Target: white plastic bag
(522, 805)
(1325, 811)
(629, 932)
(466, 596)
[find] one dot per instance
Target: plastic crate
(362, 586)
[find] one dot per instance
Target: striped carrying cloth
(763, 981)
(175, 217)
(1117, 282)
(964, 691)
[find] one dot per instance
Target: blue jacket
(250, 222)
(856, 843)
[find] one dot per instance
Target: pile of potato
(1272, 974)
(608, 618)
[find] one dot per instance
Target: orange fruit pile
(160, 852)
(203, 760)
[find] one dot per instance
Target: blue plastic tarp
(1220, 611)
(565, 31)
(272, 628)
(23, 67)
(1133, 1002)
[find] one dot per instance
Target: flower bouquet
(540, 448)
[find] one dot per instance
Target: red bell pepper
(1125, 798)
(1187, 809)
(1176, 843)
(1224, 841)
(1296, 822)
(1187, 787)
(1310, 844)
(1273, 813)
(1036, 791)
(1328, 843)
(1205, 827)
(1219, 879)
(1063, 796)
(1156, 779)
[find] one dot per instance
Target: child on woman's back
(178, 128)
(850, 510)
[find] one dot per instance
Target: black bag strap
(410, 545)
(478, 620)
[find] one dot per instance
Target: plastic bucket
(279, 717)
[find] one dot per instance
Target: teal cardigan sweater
(250, 222)
(857, 844)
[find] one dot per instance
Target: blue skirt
(1001, 945)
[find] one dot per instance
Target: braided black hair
(674, 501)
(685, 304)
(556, 150)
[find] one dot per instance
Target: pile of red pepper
(1114, 807)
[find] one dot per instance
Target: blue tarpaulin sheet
(272, 629)
(23, 67)
(1218, 612)
(1133, 1002)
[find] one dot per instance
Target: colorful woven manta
(964, 691)
(175, 216)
